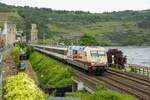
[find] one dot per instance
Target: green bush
(50, 72)
(117, 67)
(29, 51)
(88, 40)
(102, 93)
(21, 87)
(109, 95)
(22, 45)
(133, 69)
(16, 56)
(82, 94)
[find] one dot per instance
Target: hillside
(115, 28)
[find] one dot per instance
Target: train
(90, 58)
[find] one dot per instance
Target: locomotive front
(97, 57)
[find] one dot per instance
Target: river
(136, 55)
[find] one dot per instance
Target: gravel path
(29, 70)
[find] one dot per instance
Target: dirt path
(29, 70)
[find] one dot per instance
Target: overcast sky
(84, 5)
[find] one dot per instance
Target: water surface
(136, 55)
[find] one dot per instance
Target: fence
(143, 70)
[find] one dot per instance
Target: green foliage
(133, 69)
(144, 23)
(29, 51)
(21, 87)
(88, 40)
(126, 38)
(16, 56)
(83, 95)
(117, 67)
(51, 72)
(21, 44)
(102, 94)
(109, 28)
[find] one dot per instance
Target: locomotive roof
(53, 47)
(69, 47)
(82, 47)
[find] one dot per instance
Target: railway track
(116, 83)
(133, 75)
(129, 83)
(138, 87)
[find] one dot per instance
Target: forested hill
(114, 28)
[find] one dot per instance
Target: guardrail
(143, 70)
(133, 68)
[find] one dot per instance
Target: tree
(88, 40)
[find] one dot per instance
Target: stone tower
(34, 33)
(12, 31)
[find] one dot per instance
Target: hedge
(50, 72)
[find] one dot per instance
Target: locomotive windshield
(97, 53)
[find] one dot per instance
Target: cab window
(97, 53)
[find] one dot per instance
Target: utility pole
(43, 37)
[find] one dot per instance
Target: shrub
(82, 94)
(133, 69)
(88, 40)
(21, 44)
(16, 56)
(29, 51)
(102, 93)
(21, 87)
(50, 72)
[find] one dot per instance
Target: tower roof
(5, 29)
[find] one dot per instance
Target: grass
(50, 72)
(101, 93)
